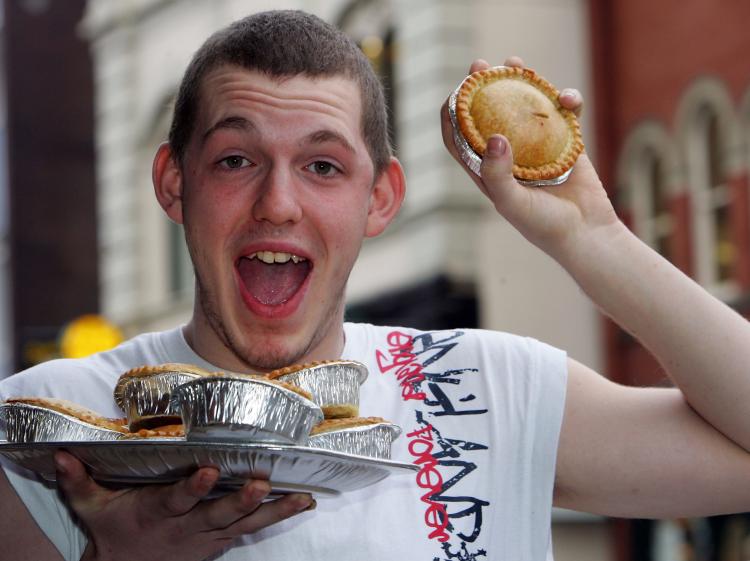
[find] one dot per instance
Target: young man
(278, 166)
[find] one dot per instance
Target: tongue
(272, 284)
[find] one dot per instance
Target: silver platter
(288, 468)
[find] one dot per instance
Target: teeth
(275, 257)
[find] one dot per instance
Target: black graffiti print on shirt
(453, 519)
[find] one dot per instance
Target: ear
(386, 198)
(167, 178)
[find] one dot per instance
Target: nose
(277, 198)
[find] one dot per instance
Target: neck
(211, 347)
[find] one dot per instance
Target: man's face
(276, 189)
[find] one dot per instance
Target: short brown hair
(285, 43)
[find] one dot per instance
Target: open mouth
(273, 278)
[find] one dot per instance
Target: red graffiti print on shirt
(442, 456)
(420, 446)
(400, 356)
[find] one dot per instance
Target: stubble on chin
(266, 357)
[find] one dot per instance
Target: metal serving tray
(288, 468)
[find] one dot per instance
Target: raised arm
(703, 345)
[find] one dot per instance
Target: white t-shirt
(480, 413)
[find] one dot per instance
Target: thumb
(497, 174)
(82, 492)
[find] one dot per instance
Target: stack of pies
(314, 404)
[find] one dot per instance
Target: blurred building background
(84, 101)
(48, 223)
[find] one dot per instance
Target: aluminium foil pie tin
(26, 423)
(334, 385)
(474, 161)
(373, 441)
(231, 409)
(149, 398)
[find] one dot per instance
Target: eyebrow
(240, 123)
(327, 135)
(233, 122)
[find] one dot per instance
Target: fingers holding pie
(478, 64)
(538, 121)
(572, 99)
(481, 64)
(514, 61)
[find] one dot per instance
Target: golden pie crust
(523, 107)
(169, 367)
(291, 387)
(164, 431)
(340, 410)
(330, 425)
(72, 410)
(121, 421)
(296, 368)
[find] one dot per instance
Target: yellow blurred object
(87, 335)
(372, 46)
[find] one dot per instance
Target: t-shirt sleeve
(549, 374)
(528, 398)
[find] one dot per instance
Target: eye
(234, 162)
(323, 168)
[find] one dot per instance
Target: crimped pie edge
(473, 83)
(330, 425)
(71, 409)
(294, 368)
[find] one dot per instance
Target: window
(658, 220)
(644, 183)
(709, 135)
(716, 248)
(370, 24)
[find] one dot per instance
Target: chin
(265, 354)
(271, 360)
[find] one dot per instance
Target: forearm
(19, 531)
(703, 345)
